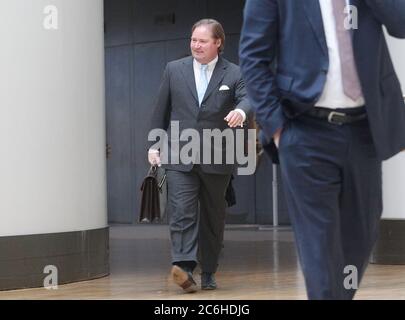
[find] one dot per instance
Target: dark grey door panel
(118, 107)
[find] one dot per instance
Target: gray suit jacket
(178, 101)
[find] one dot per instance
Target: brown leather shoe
(184, 279)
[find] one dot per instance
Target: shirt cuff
(242, 113)
(153, 151)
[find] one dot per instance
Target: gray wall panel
(149, 61)
(118, 106)
(264, 194)
(176, 49)
(228, 12)
(117, 22)
(244, 210)
(232, 47)
(146, 28)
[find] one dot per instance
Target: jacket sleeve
(390, 13)
(241, 99)
(258, 47)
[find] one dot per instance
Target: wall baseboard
(390, 246)
(77, 256)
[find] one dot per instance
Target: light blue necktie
(203, 84)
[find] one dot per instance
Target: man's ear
(219, 43)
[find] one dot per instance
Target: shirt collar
(211, 64)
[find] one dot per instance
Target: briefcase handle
(152, 170)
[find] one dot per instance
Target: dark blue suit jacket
(284, 60)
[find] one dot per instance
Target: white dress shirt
(333, 95)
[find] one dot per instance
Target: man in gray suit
(200, 92)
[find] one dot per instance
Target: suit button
(203, 106)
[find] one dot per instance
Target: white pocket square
(224, 87)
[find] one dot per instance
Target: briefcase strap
(160, 185)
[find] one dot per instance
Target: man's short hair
(216, 28)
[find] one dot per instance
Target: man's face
(204, 47)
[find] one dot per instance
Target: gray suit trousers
(196, 203)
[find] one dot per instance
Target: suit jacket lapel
(314, 15)
(188, 73)
(216, 78)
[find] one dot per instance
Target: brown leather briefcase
(150, 201)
